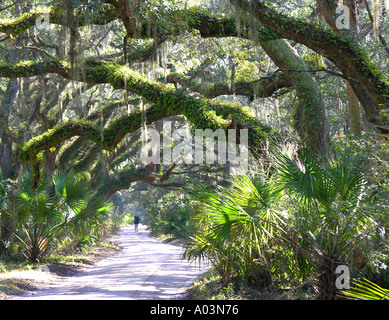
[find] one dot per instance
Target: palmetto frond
(365, 290)
(72, 189)
(242, 210)
(327, 220)
(320, 180)
(236, 225)
(44, 209)
(301, 176)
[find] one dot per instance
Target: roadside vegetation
(18, 277)
(85, 86)
(281, 232)
(52, 226)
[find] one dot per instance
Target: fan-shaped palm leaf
(365, 290)
(236, 225)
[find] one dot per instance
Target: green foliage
(170, 216)
(42, 212)
(124, 219)
(237, 226)
(327, 218)
(260, 231)
(320, 180)
(372, 255)
(202, 113)
(310, 217)
(365, 290)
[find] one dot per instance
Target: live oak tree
(59, 79)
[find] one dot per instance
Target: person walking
(136, 222)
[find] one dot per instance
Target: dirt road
(145, 268)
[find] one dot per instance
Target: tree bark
(309, 115)
(354, 117)
(327, 8)
(344, 52)
(368, 85)
(353, 102)
(167, 101)
(6, 156)
(262, 88)
(6, 143)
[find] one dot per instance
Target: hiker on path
(136, 222)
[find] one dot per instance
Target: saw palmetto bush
(372, 258)
(302, 223)
(41, 212)
(327, 220)
(237, 226)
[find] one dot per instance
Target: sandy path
(145, 268)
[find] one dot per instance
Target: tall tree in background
(345, 23)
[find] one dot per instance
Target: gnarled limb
(263, 87)
(56, 16)
(309, 116)
(167, 101)
(126, 14)
(344, 52)
(177, 20)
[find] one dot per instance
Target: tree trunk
(6, 156)
(353, 102)
(327, 8)
(354, 117)
(309, 115)
(339, 48)
(6, 143)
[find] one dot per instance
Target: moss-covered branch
(343, 51)
(32, 68)
(264, 87)
(167, 101)
(58, 16)
(121, 180)
(67, 154)
(107, 138)
(309, 116)
(170, 22)
(211, 25)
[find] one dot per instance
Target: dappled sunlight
(145, 268)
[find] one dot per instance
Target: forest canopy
(132, 48)
(83, 83)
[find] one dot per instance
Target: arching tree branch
(56, 16)
(167, 101)
(264, 87)
(344, 52)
